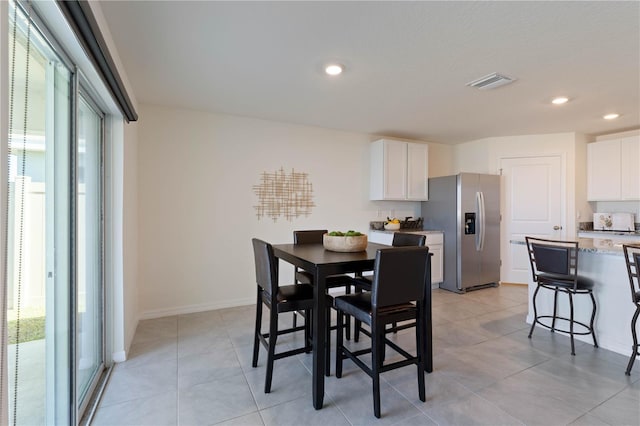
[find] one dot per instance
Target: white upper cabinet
(612, 169)
(399, 170)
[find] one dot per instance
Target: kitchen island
(602, 260)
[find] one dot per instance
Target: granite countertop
(409, 230)
(595, 245)
(605, 233)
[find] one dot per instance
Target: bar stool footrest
(579, 333)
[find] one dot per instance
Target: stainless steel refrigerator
(466, 207)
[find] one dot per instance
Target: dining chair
(400, 278)
(278, 299)
(315, 236)
(400, 239)
(632, 259)
(554, 266)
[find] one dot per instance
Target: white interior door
(532, 203)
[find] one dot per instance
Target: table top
(318, 255)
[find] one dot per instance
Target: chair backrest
(313, 236)
(404, 239)
(266, 266)
(632, 258)
(553, 257)
(401, 275)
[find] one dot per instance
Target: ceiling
(406, 63)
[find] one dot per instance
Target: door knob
(557, 228)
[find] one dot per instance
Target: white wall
(196, 173)
(483, 156)
(130, 233)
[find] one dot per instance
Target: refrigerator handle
(481, 221)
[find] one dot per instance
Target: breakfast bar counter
(603, 261)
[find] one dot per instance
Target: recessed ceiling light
(612, 116)
(333, 69)
(560, 100)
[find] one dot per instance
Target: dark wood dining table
(315, 259)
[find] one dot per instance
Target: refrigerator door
(479, 253)
(468, 231)
(489, 271)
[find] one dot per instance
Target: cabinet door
(630, 168)
(395, 170)
(417, 171)
(603, 170)
(437, 275)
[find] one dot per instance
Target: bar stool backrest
(553, 259)
(403, 239)
(311, 236)
(632, 258)
(400, 276)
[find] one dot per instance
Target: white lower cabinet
(434, 241)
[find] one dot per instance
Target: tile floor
(196, 370)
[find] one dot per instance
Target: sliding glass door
(55, 285)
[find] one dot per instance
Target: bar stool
(554, 265)
(632, 259)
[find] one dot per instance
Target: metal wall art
(284, 194)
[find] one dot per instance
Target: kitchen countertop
(408, 230)
(595, 245)
(605, 233)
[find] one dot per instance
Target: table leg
(319, 333)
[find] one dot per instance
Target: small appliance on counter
(624, 222)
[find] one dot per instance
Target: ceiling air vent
(491, 81)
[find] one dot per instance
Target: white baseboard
(159, 313)
(120, 356)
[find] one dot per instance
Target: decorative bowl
(391, 226)
(344, 244)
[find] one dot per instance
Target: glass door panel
(38, 232)
(89, 315)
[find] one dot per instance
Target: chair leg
(634, 334)
(273, 337)
(593, 317)
(377, 333)
(573, 348)
(535, 311)
(256, 334)
(339, 344)
(327, 355)
(421, 355)
(555, 309)
(347, 322)
(295, 319)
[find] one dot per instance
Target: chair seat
(359, 306)
(562, 281)
(332, 280)
(295, 292)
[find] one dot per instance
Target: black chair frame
(554, 266)
(398, 294)
(400, 239)
(632, 259)
(279, 299)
